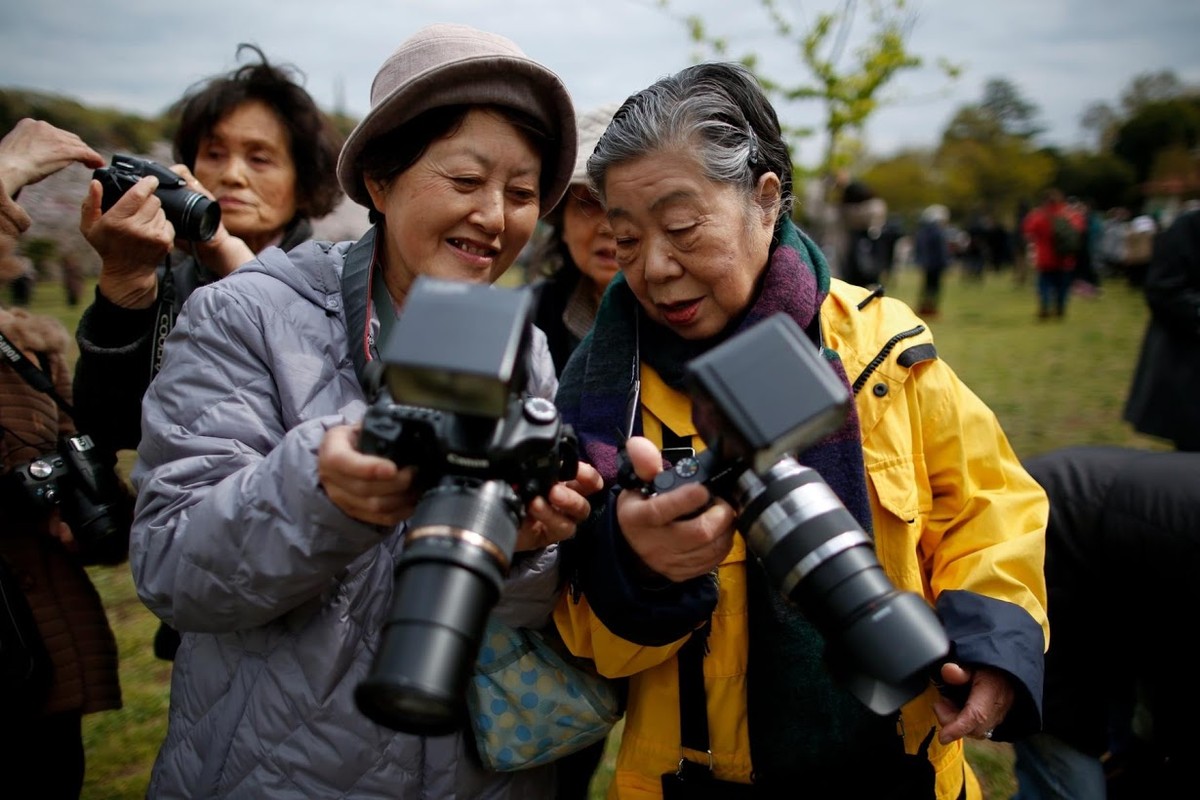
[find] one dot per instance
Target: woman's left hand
(991, 696)
(224, 252)
(554, 518)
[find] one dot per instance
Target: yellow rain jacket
(952, 509)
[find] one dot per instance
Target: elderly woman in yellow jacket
(730, 694)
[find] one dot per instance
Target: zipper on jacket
(882, 355)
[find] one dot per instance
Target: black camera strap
(33, 376)
(164, 317)
(693, 702)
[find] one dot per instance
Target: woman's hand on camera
(366, 487)
(133, 237)
(224, 252)
(552, 519)
(678, 549)
(990, 697)
(57, 528)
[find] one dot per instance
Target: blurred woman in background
(578, 254)
(255, 141)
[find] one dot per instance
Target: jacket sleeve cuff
(111, 327)
(995, 633)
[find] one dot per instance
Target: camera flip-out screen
(458, 347)
(776, 389)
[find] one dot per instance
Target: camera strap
(33, 376)
(164, 317)
(356, 299)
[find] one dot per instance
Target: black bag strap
(693, 702)
(33, 376)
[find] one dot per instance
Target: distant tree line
(989, 159)
(103, 128)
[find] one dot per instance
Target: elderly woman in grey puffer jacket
(262, 533)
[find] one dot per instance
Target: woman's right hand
(366, 487)
(133, 237)
(678, 549)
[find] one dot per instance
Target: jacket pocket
(901, 498)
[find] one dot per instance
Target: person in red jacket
(1056, 232)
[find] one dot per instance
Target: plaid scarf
(801, 724)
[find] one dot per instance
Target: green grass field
(1051, 383)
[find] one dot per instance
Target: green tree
(850, 92)
(1157, 126)
(909, 180)
(987, 155)
(1012, 113)
(1104, 178)
(1150, 87)
(1100, 118)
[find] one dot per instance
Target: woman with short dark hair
(255, 141)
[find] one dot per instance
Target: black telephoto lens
(448, 576)
(884, 641)
(194, 216)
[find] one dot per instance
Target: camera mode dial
(539, 410)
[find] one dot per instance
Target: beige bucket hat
(446, 64)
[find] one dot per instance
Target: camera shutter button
(539, 410)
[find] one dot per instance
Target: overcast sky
(139, 55)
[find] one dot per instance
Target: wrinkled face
(588, 237)
(691, 249)
(465, 209)
(246, 162)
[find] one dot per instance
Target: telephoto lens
(883, 641)
(447, 579)
(194, 216)
(758, 399)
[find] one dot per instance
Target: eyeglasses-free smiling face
(465, 209)
(691, 249)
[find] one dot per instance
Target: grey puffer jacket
(279, 595)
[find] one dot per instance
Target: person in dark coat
(1122, 555)
(1164, 400)
(255, 141)
(932, 253)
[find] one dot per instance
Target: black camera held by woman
(451, 401)
(194, 216)
(757, 398)
(83, 487)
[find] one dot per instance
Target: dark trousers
(42, 757)
(1053, 286)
